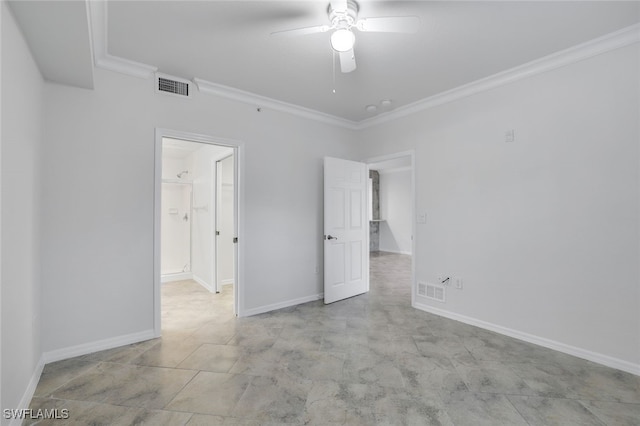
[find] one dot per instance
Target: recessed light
(371, 108)
(385, 102)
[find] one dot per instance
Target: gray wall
(98, 195)
(543, 230)
(22, 95)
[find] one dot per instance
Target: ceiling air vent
(173, 86)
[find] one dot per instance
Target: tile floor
(368, 360)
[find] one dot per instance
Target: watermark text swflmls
(40, 414)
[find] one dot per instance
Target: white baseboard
(227, 282)
(70, 352)
(99, 345)
(280, 305)
(203, 283)
(181, 276)
(28, 393)
(599, 358)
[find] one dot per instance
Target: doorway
(391, 202)
(196, 212)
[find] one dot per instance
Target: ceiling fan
(343, 19)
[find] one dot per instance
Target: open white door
(345, 229)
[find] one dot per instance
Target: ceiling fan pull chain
(334, 70)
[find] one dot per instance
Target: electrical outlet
(458, 283)
(422, 218)
(509, 136)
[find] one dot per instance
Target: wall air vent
(422, 289)
(431, 291)
(174, 86)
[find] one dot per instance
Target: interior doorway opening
(196, 216)
(391, 203)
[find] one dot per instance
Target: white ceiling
(229, 43)
(58, 35)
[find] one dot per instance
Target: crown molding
(101, 57)
(606, 43)
(263, 101)
(98, 28)
(618, 39)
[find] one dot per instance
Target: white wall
(22, 95)
(172, 166)
(98, 231)
(175, 253)
(544, 230)
(175, 233)
(395, 209)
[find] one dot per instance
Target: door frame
(411, 154)
(217, 189)
(238, 200)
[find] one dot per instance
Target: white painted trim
(615, 40)
(215, 218)
(226, 282)
(606, 43)
(238, 199)
(599, 358)
(394, 170)
(280, 305)
(204, 284)
(388, 157)
(181, 276)
(216, 89)
(99, 345)
(29, 392)
(125, 66)
(157, 233)
(91, 48)
(102, 59)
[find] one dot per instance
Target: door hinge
(235, 240)
(217, 232)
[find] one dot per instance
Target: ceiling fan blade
(390, 24)
(339, 5)
(347, 61)
(302, 31)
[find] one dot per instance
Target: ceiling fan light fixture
(342, 40)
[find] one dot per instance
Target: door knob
(330, 237)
